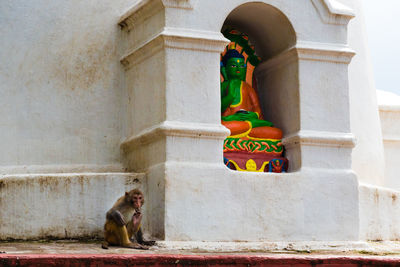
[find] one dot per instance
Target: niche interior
(266, 39)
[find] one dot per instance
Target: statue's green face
(236, 68)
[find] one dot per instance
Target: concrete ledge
(320, 138)
(176, 128)
(144, 9)
(325, 52)
(192, 260)
(177, 38)
(61, 168)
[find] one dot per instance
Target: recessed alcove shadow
(274, 38)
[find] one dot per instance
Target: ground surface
(216, 254)
(383, 249)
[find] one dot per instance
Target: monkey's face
(137, 201)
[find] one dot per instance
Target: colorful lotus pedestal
(245, 154)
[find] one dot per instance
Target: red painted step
(113, 260)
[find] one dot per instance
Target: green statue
(240, 108)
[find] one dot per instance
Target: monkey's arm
(116, 216)
(140, 240)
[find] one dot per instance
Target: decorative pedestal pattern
(245, 154)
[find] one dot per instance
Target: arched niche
(274, 38)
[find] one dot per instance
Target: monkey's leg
(122, 234)
(110, 234)
(132, 233)
(116, 235)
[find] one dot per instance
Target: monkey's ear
(126, 193)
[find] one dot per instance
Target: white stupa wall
(368, 156)
(61, 118)
(67, 105)
(61, 86)
(373, 159)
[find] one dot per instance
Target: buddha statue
(254, 143)
(241, 112)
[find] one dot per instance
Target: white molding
(337, 8)
(179, 4)
(145, 8)
(389, 108)
(142, 51)
(333, 12)
(176, 38)
(391, 138)
(65, 168)
(176, 128)
(325, 52)
(25, 177)
(139, 12)
(320, 138)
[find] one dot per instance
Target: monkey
(119, 232)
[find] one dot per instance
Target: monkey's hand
(136, 219)
(140, 239)
(148, 243)
(117, 217)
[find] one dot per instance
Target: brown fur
(119, 227)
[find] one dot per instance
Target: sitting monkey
(119, 232)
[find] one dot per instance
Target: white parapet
(379, 213)
(389, 111)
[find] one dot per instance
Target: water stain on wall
(80, 64)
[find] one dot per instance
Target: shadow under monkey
(123, 223)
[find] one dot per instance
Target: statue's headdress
(231, 53)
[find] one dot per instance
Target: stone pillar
(171, 57)
(172, 77)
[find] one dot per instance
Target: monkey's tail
(104, 245)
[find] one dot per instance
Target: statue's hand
(243, 116)
(227, 96)
(229, 118)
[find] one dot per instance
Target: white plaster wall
(380, 207)
(60, 85)
(217, 204)
(389, 111)
(70, 205)
(368, 156)
(379, 213)
(63, 107)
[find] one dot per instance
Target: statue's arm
(226, 97)
(255, 102)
